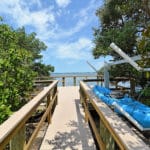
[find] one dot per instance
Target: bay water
(69, 80)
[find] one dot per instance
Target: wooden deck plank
(68, 129)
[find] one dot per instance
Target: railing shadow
(79, 135)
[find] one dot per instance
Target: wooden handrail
(86, 78)
(67, 76)
(63, 79)
(121, 135)
(40, 123)
(17, 121)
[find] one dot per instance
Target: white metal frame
(127, 58)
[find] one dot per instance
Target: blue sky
(65, 26)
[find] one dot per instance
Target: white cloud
(76, 50)
(58, 33)
(44, 20)
(84, 17)
(30, 3)
(20, 11)
(63, 3)
(46, 26)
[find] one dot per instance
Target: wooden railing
(71, 80)
(114, 82)
(12, 131)
(111, 132)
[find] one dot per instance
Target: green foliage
(16, 75)
(30, 43)
(147, 92)
(126, 23)
(34, 46)
(118, 36)
(42, 69)
(5, 112)
(144, 47)
(124, 70)
(19, 54)
(118, 24)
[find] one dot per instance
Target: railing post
(132, 86)
(63, 81)
(101, 81)
(97, 79)
(74, 81)
(18, 141)
(48, 103)
(55, 91)
(86, 110)
(83, 102)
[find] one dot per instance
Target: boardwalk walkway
(68, 130)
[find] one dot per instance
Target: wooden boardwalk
(68, 130)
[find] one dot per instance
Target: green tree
(42, 69)
(123, 22)
(20, 53)
(35, 47)
(16, 75)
